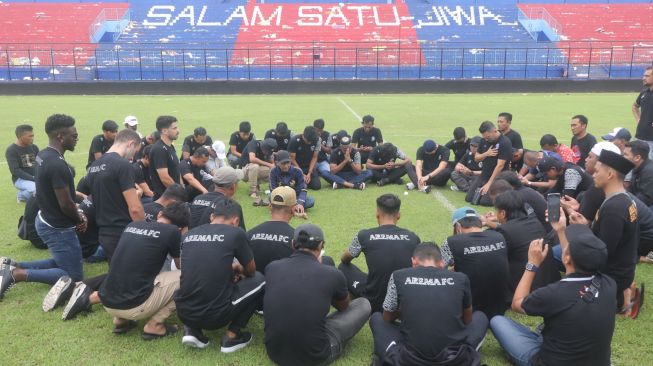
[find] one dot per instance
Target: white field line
(444, 201)
(358, 118)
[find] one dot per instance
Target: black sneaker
(360, 186)
(194, 338)
(382, 182)
(79, 301)
(427, 189)
(6, 279)
(8, 261)
(58, 294)
(229, 345)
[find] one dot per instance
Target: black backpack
(26, 227)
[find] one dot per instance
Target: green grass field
(30, 336)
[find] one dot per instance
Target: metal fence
(92, 62)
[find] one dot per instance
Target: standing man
(387, 248)
(583, 141)
(164, 162)
(21, 158)
(578, 310)
(281, 133)
(102, 143)
(272, 240)
(382, 161)
(345, 166)
(284, 174)
(495, 152)
(641, 183)
(504, 122)
(193, 172)
(58, 218)
(299, 293)
(257, 161)
(431, 166)
(198, 139)
(426, 288)
(483, 257)
(643, 111)
(367, 137)
(237, 143)
(112, 183)
(304, 150)
(216, 290)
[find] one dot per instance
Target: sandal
(170, 329)
(637, 302)
(124, 327)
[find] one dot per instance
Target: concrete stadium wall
(320, 87)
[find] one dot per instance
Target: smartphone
(553, 205)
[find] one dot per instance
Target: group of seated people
(186, 249)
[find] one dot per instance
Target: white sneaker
(454, 188)
(410, 186)
(335, 185)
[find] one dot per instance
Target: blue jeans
(324, 169)
(517, 340)
(66, 255)
(556, 250)
(310, 202)
(351, 177)
(26, 189)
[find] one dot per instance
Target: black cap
(588, 252)
(345, 140)
(476, 140)
(282, 156)
(308, 236)
(269, 145)
(616, 161)
(282, 129)
(549, 162)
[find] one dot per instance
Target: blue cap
(429, 146)
(463, 212)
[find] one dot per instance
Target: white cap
(605, 145)
(220, 149)
(131, 120)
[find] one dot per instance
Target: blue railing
(88, 62)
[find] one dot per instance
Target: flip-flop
(170, 329)
(638, 302)
(124, 327)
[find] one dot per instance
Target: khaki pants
(253, 173)
(159, 306)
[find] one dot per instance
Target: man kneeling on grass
(578, 310)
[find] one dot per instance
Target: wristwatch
(531, 267)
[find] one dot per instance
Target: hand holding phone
(553, 206)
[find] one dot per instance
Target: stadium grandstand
(323, 39)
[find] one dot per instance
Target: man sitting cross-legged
(435, 309)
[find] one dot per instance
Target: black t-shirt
(304, 152)
(163, 156)
(518, 234)
(536, 202)
(298, 295)
(459, 148)
(152, 210)
(141, 251)
(582, 148)
(591, 202)
(483, 257)
(431, 301)
(576, 331)
(489, 163)
(282, 141)
(83, 186)
(430, 162)
(255, 147)
(202, 207)
(387, 248)
(372, 138)
(337, 156)
(20, 160)
(617, 225)
(207, 253)
(270, 241)
(190, 145)
(468, 161)
(99, 144)
(240, 144)
(379, 157)
(645, 126)
(140, 173)
(52, 172)
(515, 139)
(573, 181)
(198, 172)
(109, 177)
(324, 142)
